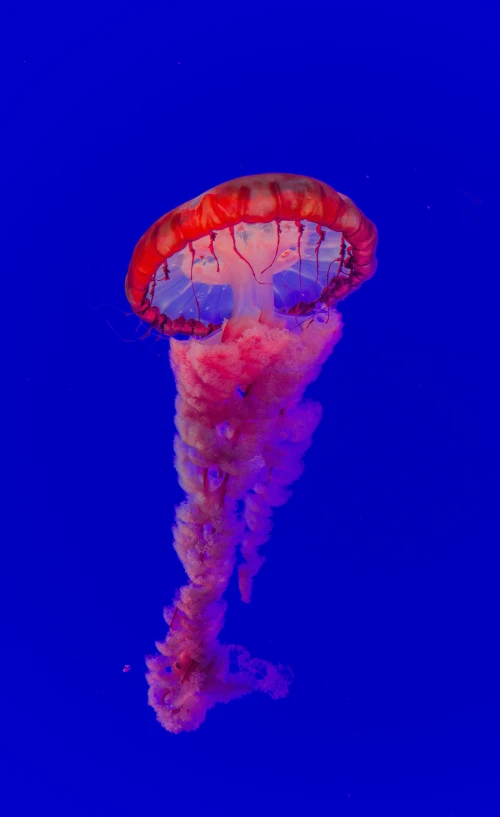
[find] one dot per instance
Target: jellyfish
(249, 273)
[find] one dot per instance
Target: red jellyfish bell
(251, 271)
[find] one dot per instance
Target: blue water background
(381, 583)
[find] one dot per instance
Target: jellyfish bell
(250, 272)
(266, 248)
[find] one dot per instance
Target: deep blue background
(381, 584)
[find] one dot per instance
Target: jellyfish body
(251, 271)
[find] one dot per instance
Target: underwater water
(379, 588)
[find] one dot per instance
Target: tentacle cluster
(242, 431)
